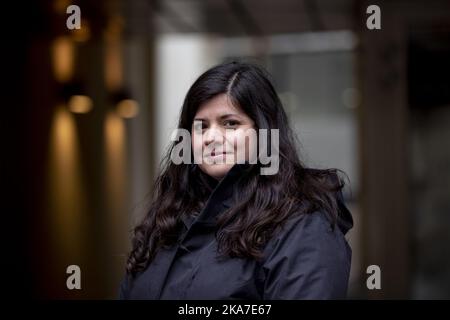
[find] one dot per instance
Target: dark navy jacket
(306, 260)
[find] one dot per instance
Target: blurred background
(90, 112)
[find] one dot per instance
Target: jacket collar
(221, 197)
(219, 200)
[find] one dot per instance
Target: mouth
(217, 154)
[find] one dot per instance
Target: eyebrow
(224, 116)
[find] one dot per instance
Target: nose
(212, 135)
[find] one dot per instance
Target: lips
(213, 154)
(216, 153)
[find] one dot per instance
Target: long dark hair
(264, 203)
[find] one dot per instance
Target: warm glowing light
(113, 66)
(60, 6)
(114, 29)
(116, 178)
(66, 194)
(115, 146)
(113, 53)
(80, 104)
(63, 55)
(127, 108)
(83, 34)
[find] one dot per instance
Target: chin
(217, 171)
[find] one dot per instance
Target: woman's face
(219, 130)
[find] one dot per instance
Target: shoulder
(309, 234)
(303, 225)
(307, 258)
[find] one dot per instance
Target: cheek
(234, 141)
(196, 144)
(194, 141)
(241, 141)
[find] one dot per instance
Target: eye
(231, 123)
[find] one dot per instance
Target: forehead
(220, 104)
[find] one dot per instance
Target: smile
(217, 155)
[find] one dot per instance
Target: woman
(218, 228)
